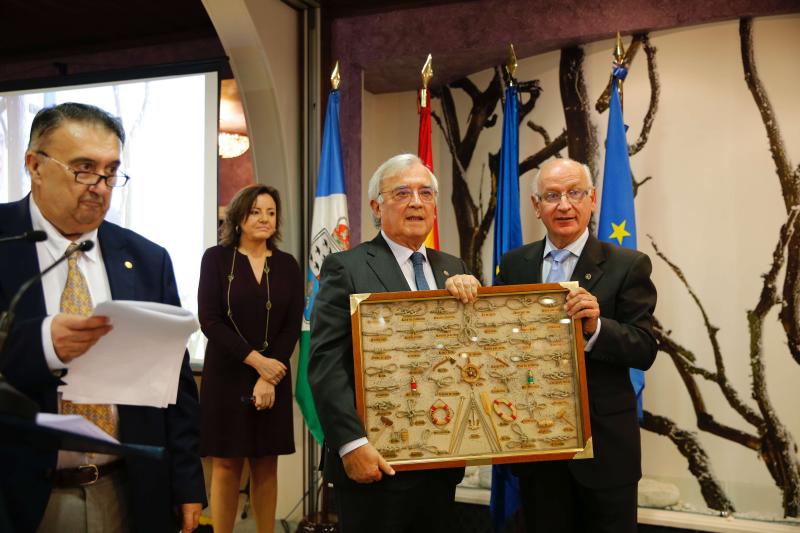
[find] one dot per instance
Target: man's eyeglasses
(91, 178)
(574, 196)
(404, 195)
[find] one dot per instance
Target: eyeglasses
(404, 195)
(574, 196)
(91, 178)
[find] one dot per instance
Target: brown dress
(229, 425)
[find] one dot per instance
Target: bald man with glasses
(615, 303)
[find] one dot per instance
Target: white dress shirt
(93, 269)
(569, 264)
(89, 263)
(403, 256)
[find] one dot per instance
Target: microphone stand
(13, 402)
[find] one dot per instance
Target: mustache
(93, 197)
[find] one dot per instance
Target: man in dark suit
(369, 495)
(615, 303)
(73, 159)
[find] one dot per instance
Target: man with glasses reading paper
(615, 304)
(369, 495)
(73, 159)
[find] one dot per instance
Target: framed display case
(442, 384)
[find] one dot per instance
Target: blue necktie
(557, 272)
(419, 275)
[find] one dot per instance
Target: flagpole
(619, 59)
(424, 145)
(331, 181)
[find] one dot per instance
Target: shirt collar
(403, 253)
(56, 244)
(576, 247)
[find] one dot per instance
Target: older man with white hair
(369, 495)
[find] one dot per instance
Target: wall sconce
(232, 144)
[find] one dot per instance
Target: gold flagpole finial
(619, 60)
(619, 50)
(335, 77)
(511, 65)
(427, 74)
(427, 71)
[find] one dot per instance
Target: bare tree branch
(778, 446)
(705, 420)
(540, 130)
(604, 99)
(722, 379)
(581, 134)
(549, 150)
(790, 186)
(655, 92)
(692, 450)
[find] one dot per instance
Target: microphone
(7, 318)
(30, 236)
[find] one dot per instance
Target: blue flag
(330, 232)
(617, 217)
(505, 499)
(507, 227)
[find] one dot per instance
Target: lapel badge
(128, 265)
(446, 273)
(588, 277)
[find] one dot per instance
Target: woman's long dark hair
(239, 209)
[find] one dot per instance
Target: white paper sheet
(138, 362)
(74, 424)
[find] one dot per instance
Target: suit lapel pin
(128, 265)
(588, 277)
(446, 273)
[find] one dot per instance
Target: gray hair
(586, 172)
(390, 168)
(50, 118)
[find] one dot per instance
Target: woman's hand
(268, 368)
(263, 394)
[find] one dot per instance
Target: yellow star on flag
(619, 232)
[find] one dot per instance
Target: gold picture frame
(501, 380)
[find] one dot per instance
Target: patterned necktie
(76, 300)
(419, 274)
(557, 272)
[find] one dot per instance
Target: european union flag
(617, 218)
(507, 226)
(505, 499)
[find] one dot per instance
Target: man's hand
(191, 516)
(73, 335)
(583, 305)
(268, 368)
(264, 394)
(463, 286)
(364, 465)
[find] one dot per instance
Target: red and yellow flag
(425, 152)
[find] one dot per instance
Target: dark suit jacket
(369, 267)
(620, 280)
(155, 487)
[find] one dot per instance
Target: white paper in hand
(138, 362)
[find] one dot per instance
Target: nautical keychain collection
(443, 379)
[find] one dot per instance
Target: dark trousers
(555, 503)
(371, 508)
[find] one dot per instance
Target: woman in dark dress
(248, 290)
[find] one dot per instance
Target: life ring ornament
(440, 413)
(505, 409)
